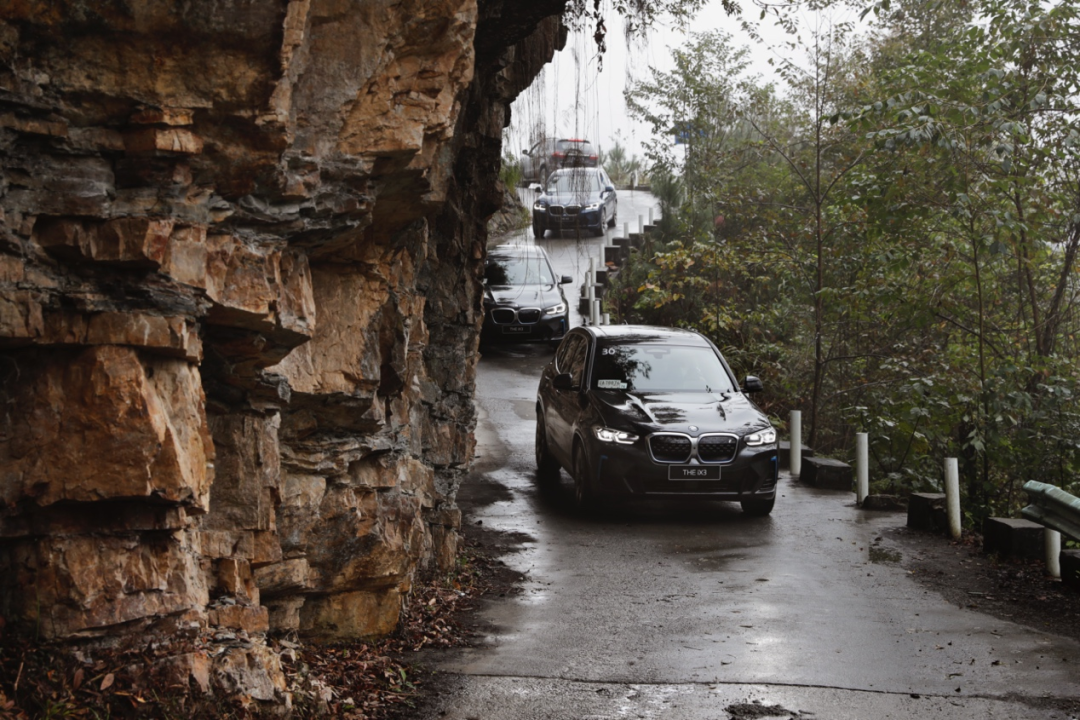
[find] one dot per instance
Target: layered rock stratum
(240, 246)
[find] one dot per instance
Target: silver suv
(547, 156)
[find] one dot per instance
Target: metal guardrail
(1054, 508)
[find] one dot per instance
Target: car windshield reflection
(660, 368)
(527, 270)
(574, 182)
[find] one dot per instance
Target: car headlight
(555, 309)
(539, 206)
(762, 437)
(592, 206)
(608, 435)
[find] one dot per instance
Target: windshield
(524, 269)
(578, 182)
(582, 146)
(660, 368)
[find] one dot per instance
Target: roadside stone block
(1013, 537)
(1070, 569)
(827, 474)
(613, 253)
(884, 502)
(785, 454)
(926, 511)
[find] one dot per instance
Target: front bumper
(548, 327)
(567, 218)
(629, 471)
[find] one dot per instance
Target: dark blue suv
(576, 199)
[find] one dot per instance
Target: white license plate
(693, 472)
(516, 330)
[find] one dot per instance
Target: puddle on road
(711, 563)
(525, 409)
(883, 555)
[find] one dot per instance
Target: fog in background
(575, 98)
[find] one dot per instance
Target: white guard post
(795, 460)
(1052, 542)
(862, 467)
(952, 496)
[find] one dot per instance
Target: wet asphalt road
(685, 610)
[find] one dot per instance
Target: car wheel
(584, 499)
(538, 230)
(603, 222)
(757, 507)
(614, 216)
(547, 467)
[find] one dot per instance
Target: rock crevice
(240, 251)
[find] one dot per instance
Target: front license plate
(516, 329)
(694, 472)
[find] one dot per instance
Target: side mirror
(752, 384)
(562, 381)
(566, 279)
(609, 189)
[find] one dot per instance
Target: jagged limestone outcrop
(239, 305)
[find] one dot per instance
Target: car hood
(677, 412)
(523, 295)
(570, 198)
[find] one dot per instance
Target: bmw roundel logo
(693, 428)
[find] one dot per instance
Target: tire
(603, 222)
(538, 230)
(547, 467)
(584, 498)
(614, 217)
(757, 507)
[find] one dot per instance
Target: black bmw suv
(523, 300)
(650, 412)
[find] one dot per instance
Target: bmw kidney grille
(509, 316)
(675, 448)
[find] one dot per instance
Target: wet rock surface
(239, 310)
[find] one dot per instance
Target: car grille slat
(528, 315)
(670, 448)
(718, 448)
(503, 315)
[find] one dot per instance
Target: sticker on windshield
(611, 384)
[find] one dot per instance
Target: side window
(576, 363)
(566, 351)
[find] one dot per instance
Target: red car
(547, 156)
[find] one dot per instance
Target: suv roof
(647, 334)
(516, 249)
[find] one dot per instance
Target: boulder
(926, 511)
(1070, 569)
(1013, 537)
(884, 502)
(827, 474)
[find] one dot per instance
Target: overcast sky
(571, 98)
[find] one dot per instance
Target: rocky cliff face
(239, 305)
